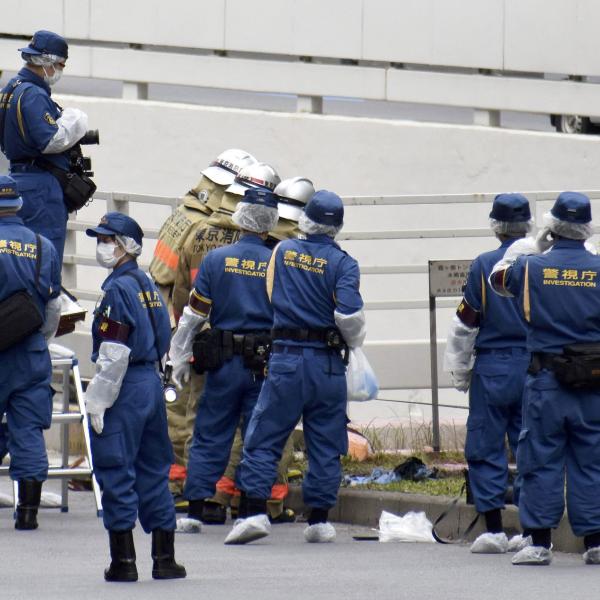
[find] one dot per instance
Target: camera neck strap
(150, 316)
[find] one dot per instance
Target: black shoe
(287, 516)
(30, 493)
(163, 555)
(122, 553)
(213, 513)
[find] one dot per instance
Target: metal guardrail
(401, 363)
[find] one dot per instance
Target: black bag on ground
(207, 350)
(579, 366)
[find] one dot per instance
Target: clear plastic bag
(360, 378)
(412, 527)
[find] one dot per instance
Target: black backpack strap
(38, 260)
(151, 317)
(468, 530)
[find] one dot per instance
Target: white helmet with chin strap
(260, 175)
(293, 194)
(224, 169)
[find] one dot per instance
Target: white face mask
(105, 255)
(52, 79)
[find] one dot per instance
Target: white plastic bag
(360, 379)
(412, 527)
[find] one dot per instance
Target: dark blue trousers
(302, 383)
(561, 435)
(133, 454)
(43, 210)
(26, 398)
(228, 399)
(495, 405)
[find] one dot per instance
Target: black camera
(91, 137)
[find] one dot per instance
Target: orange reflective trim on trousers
(279, 491)
(177, 472)
(166, 255)
(227, 486)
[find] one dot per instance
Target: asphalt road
(65, 559)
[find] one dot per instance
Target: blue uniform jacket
(30, 119)
(310, 279)
(18, 251)
(231, 284)
(122, 315)
(559, 295)
(498, 318)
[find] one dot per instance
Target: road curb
(363, 507)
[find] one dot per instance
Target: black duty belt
(302, 335)
(236, 340)
(541, 360)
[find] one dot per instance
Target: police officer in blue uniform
(230, 292)
(560, 299)
(131, 449)
(486, 351)
(28, 263)
(314, 291)
(35, 132)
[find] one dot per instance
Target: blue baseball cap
(510, 208)
(116, 223)
(325, 208)
(261, 197)
(572, 207)
(47, 42)
(9, 193)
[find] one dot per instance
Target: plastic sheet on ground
(412, 527)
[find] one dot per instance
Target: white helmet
(260, 175)
(228, 165)
(293, 194)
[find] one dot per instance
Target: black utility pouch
(77, 190)
(19, 318)
(208, 351)
(257, 348)
(579, 366)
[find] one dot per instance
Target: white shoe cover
(518, 542)
(248, 530)
(592, 556)
(490, 543)
(533, 555)
(187, 525)
(320, 533)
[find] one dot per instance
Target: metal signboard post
(446, 280)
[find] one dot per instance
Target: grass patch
(446, 486)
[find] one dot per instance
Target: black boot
(213, 513)
(122, 552)
(163, 555)
(30, 493)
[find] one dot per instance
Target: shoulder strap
(468, 530)
(151, 317)
(38, 260)
(5, 106)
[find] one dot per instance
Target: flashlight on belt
(169, 390)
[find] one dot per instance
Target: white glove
(97, 421)
(352, 327)
(180, 373)
(461, 380)
(543, 239)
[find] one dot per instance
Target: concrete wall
(160, 148)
